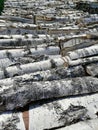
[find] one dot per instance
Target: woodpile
(48, 66)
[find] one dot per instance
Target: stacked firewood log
(48, 66)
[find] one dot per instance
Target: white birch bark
(51, 50)
(92, 69)
(82, 61)
(11, 120)
(17, 70)
(48, 75)
(85, 125)
(21, 93)
(53, 111)
(85, 52)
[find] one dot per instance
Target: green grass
(1, 5)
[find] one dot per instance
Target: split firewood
(22, 93)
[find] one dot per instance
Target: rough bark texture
(84, 125)
(80, 53)
(56, 116)
(60, 113)
(48, 75)
(23, 93)
(33, 51)
(83, 61)
(18, 69)
(77, 46)
(11, 121)
(92, 69)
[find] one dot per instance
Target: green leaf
(1, 5)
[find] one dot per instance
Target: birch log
(32, 67)
(85, 52)
(82, 110)
(48, 75)
(16, 19)
(11, 121)
(14, 40)
(83, 61)
(22, 93)
(92, 69)
(6, 62)
(51, 50)
(64, 113)
(78, 46)
(85, 125)
(44, 65)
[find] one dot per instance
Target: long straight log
(48, 75)
(45, 65)
(82, 109)
(16, 19)
(23, 93)
(78, 46)
(6, 62)
(21, 40)
(51, 50)
(32, 67)
(39, 36)
(85, 125)
(83, 61)
(85, 52)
